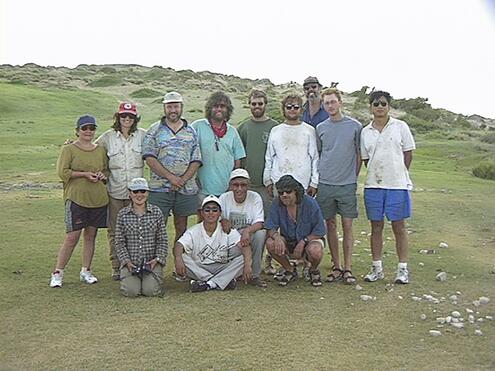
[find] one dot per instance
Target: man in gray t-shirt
(338, 143)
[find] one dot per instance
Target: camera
(141, 269)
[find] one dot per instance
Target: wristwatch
(306, 240)
(158, 260)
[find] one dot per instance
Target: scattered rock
(480, 320)
(363, 233)
(484, 300)
(400, 297)
(453, 297)
(421, 264)
(455, 314)
(489, 318)
(366, 298)
(442, 276)
(471, 318)
(443, 245)
(358, 287)
(435, 333)
(448, 319)
(415, 298)
(469, 310)
(422, 316)
(476, 303)
(457, 324)
(427, 251)
(478, 332)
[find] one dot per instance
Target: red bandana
(219, 131)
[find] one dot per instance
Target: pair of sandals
(341, 275)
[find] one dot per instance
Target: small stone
(322, 298)
(489, 318)
(421, 264)
(471, 318)
(478, 332)
(453, 297)
(455, 314)
(458, 292)
(415, 298)
(454, 320)
(442, 276)
(435, 301)
(366, 297)
(422, 316)
(484, 300)
(441, 320)
(443, 245)
(469, 310)
(389, 238)
(457, 324)
(359, 287)
(448, 319)
(363, 233)
(435, 333)
(480, 320)
(400, 297)
(476, 303)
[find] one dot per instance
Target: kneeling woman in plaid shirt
(141, 243)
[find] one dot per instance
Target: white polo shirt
(385, 152)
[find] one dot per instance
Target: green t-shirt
(254, 136)
(81, 190)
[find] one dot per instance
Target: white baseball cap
(172, 97)
(239, 173)
(211, 198)
(138, 184)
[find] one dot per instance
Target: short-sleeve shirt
(175, 151)
(338, 144)
(319, 116)
(209, 249)
(385, 152)
(218, 155)
(245, 214)
(309, 220)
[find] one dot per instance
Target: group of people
(264, 183)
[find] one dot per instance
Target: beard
(257, 113)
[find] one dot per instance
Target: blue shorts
(395, 204)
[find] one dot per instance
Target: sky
(443, 50)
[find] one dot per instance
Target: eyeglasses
(292, 106)
(130, 115)
(307, 87)
(259, 104)
(136, 191)
(88, 127)
(285, 191)
(380, 103)
(211, 209)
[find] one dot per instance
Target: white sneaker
(87, 277)
(57, 279)
(402, 276)
(375, 275)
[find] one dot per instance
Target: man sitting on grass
(208, 255)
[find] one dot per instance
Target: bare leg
(401, 241)
(89, 237)
(333, 241)
(376, 239)
(348, 242)
(180, 224)
(283, 260)
(65, 252)
(315, 254)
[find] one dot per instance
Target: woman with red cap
(123, 143)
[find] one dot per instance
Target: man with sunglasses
(295, 230)
(171, 150)
(292, 149)
(314, 112)
(386, 148)
(141, 243)
(123, 144)
(254, 134)
(340, 162)
(209, 256)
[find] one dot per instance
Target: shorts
(395, 204)
(179, 204)
(79, 217)
(291, 245)
(337, 199)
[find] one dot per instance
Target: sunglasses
(285, 191)
(307, 87)
(88, 127)
(292, 106)
(259, 104)
(136, 191)
(380, 103)
(211, 209)
(130, 115)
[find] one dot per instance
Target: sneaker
(57, 279)
(315, 277)
(402, 276)
(375, 275)
(87, 277)
(116, 274)
(279, 274)
(199, 286)
(258, 282)
(288, 276)
(232, 285)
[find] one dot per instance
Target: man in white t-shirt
(386, 148)
(242, 209)
(208, 255)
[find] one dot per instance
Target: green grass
(94, 327)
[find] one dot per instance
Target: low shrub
(489, 138)
(485, 170)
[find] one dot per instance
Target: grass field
(297, 327)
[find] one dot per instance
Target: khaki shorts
(337, 199)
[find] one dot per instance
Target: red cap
(128, 108)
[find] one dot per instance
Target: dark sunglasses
(380, 103)
(88, 127)
(259, 104)
(292, 106)
(211, 209)
(136, 191)
(307, 87)
(130, 115)
(282, 192)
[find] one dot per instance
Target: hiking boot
(57, 279)
(258, 282)
(116, 274)
(87, 277)
(199, 286)
(288, 277)
(375, 275)
(315, 277)
(402, 276)
(231, 286)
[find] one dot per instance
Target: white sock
(402, 265)
(212, 285)
(377, 264)
(84, 269)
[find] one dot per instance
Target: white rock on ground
(415, 298)
(400, 297)
(421, 264)
(489, 318)
(422, 316)
(476, 303)
(441, 320)
(435, 333)
(442, 276)
(478, 332)
(480, 320)
(455, 314)
(469, 310)
(358, 287)
(453, 297)
(448, 319)
(457, 324)
(484, 300)
(443, 245)
(366, 297)
(471, 318)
